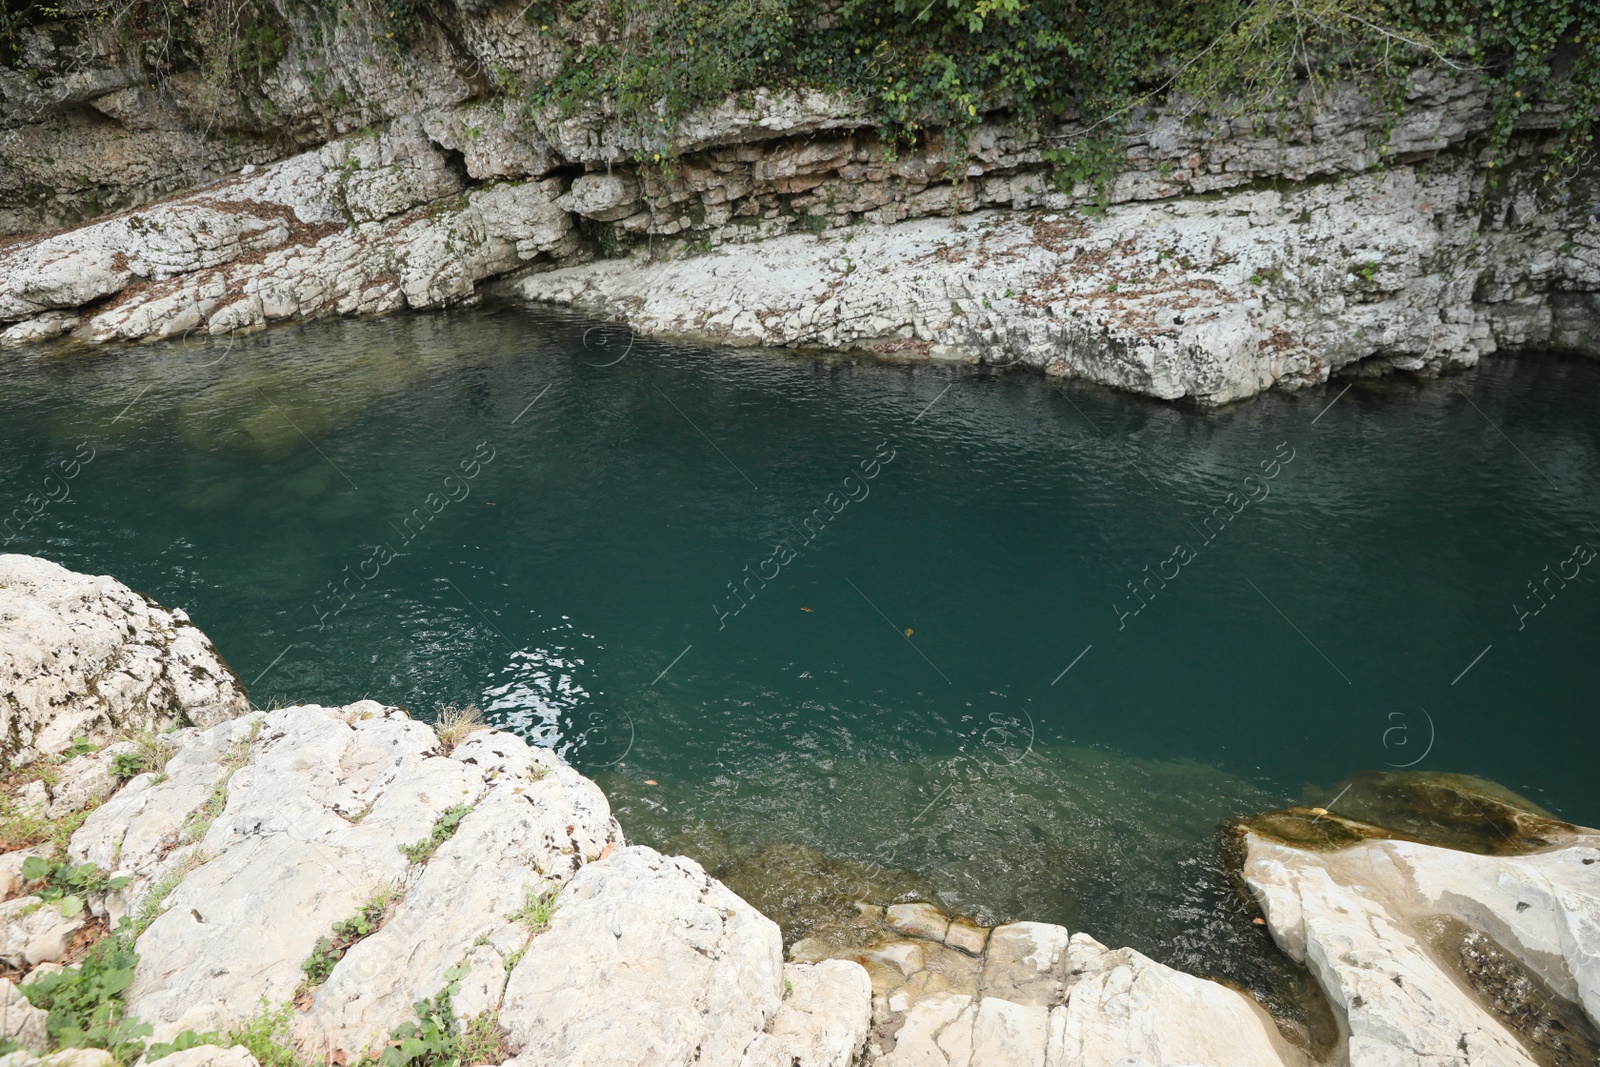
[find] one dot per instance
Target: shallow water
(944, 671)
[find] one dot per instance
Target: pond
(1032, 641)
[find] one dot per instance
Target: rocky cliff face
(88, 658)
(332, 883)
(1234, 252)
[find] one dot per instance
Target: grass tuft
(444, 828)
(455, 725)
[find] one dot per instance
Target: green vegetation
(536, 911)
(269, 1037)
(330, 950)
(85, 1002)
(483, 1040)
(444, 828)
(150, 754)
(66, 884)
(926, 70)
(914, 65)
(182, 1043)
(22, 826)
(432, 1040)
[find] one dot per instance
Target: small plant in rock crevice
(66, 885)
(455, 725)
(236, 756)
(536, 911)
(432, 1039)
(483, 1041)
(149, 908)
(346, 933)
(151, 753)
(269, 1036)
(444, 828)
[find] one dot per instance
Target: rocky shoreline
(227, 887)
(1221, 254)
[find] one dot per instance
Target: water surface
(884, 610)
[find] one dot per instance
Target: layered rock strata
(1234, 253)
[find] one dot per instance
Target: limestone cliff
(1226, 253)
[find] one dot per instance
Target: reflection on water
(947, 680)
(541, 686)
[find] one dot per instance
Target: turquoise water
(885, 610)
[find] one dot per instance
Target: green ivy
(926, 71)
(346, 932)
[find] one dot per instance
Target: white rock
(917, 1042)
(211, 1056)
(1357, 916)
(20, 1021)
(918, 920)
(823, 1020)
(67, 1057)
(32, 931)
(87, 656)
(1125, 1007)
(528, 833)
(605, 197)
(312, 828)
(648, 961)
(11, 869)
(1026, 962)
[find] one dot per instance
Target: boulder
(20, 1021)
(602, 197)
(211, 1056)
(88, 657)
(822, 1022)
(1125, 1007)
(1388, 927)
(33, 932)
(67, 1057)
(648, 961)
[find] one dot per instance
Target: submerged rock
(340, 877)
(1455, 811)
(87, 657)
